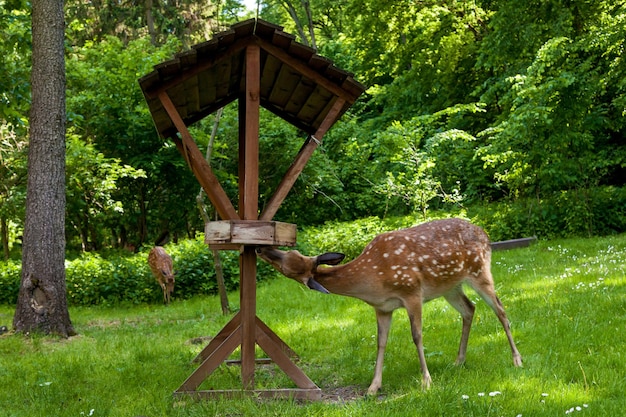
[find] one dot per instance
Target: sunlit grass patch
(566, 301)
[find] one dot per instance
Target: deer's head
(298, 267)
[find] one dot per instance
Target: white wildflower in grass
(465, 397)
(481, 394)
(494, 393)
(577, 408)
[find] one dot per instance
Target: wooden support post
(249, 110)
(199, 166)
(248, 208)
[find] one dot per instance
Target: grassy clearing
(566, 300)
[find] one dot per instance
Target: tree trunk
(309, 17)
(288, 5)
(150, 22)
(42, 299)
(4, 231)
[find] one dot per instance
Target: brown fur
(162, 268)
(404, 269)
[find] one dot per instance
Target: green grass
(566, 301)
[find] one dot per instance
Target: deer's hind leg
(483, 285)
(465, 307)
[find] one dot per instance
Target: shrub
(574, 213)
(114, 277)
(10, 275)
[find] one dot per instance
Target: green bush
(10, 273)
(599, 211)
(113, 277)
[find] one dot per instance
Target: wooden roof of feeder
(296, 84)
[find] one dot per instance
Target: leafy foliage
(468, 103)
(114, 277)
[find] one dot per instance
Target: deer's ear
(314, 285)
(330, 258)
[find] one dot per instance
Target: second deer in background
(162, 268)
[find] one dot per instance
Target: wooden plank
(249, 137)
(206, 48)
(301, 51)
(188, 58)
(275, 352)
(168, 68)
(513, 243)
(322, 115)
(301, 94)
(207, 87)
(314, 394)
(266, 29)
(226, 38)
(269, 74)
(218, 232)
(222, 78)
(286, 82)
(302, 68)
(285, 234)
(244, 28)
(211, 59)
(225, 246)
(198, 164)
(178, 96)
(319, 63)
(250, 232)
(215, 359)
(192, 95)
(219, 338)
(292, 119)
(277, 340)
(253, 234)
(147, 81)
(248, 207)
(317, 105)
(282, 39)
(247, 301)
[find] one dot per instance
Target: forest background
(511, 113)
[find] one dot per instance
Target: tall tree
(42, 301)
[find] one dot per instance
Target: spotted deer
(406, 268)
(161, 266)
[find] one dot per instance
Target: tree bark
(4, 231)
(42, 299)
(150, 22)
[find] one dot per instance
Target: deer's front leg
(414, 310)
(383, 320)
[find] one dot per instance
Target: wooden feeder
(258, 64)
